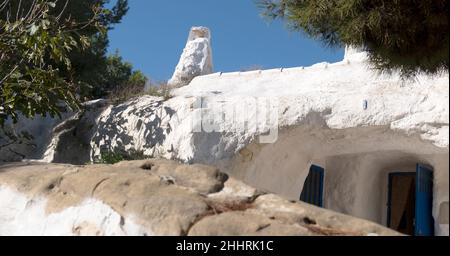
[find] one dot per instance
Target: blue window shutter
(424, 201)
(313, 188)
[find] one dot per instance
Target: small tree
(33, 40)
(406, 35)
(120, 81)
(88, 64)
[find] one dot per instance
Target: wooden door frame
(389, 202)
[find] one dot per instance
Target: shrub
(131, 91)
(116, 156)
(161, 89)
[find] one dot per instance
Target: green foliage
(119, 76)
(89, 65)
(121, 82)
(137, 77)
(52, 54)
(91, 68)
(113, 157)
(406, 35)
(33, 42)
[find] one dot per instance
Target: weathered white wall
(358, 184)
(443, 218)
(23, 216)
(275, 166)
(61, 140)
(328, 95)
(441, 193)
(41, 130)
(357, 162)
(196, 59)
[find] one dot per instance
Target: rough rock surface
(338, 98)
(153, 197)
(196, 59)
(65, 140)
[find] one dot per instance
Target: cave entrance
(410, 201)
(313, 188)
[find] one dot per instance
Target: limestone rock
(202, 178)
(132, 198)
(245, 224)
(155, 206)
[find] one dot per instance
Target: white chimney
(196, 59)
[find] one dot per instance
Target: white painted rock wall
(21, 215)
(196, 59)
(65, 140)
(331, 96)
(325, 110)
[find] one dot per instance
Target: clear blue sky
(154, 32)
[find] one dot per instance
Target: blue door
(313, 189)
(424, 201)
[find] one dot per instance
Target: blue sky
(154, 32)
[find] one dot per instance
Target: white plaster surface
(22, 216)
(330, 97)
(196, 58)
